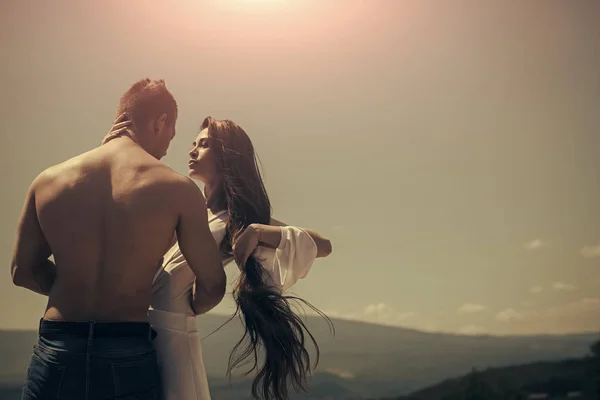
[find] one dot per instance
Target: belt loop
(88, 355)
(91, 327)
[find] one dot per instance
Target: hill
(362, 360)
(556, 379)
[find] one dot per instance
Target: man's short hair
(146, 100)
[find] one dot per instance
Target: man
(108, 216)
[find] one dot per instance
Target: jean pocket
(44, 379)
(137, 379)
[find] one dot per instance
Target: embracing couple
(138, 251)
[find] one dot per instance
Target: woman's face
(203, 162)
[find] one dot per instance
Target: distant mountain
(555, 378)
(362, 360)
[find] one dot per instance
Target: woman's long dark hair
(268, 319)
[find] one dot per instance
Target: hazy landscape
(450, 150)
(361, 361)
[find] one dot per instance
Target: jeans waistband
(93, 329)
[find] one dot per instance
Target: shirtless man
(108, 216)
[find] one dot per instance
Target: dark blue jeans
(93, 361)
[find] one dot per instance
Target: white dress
(178, 344)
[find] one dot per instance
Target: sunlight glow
(255, 6)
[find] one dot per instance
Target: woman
(223, 159)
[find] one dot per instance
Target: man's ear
(161, 123)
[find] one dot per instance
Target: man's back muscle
(109, 216)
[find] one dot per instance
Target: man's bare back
(109, 216)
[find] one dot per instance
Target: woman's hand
(245, 245)
(120, 125)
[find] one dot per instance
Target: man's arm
(30, 266)
(200, 250)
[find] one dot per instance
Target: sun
(260, 1)
(255, 5)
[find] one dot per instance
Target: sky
(449, 150)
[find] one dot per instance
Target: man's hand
(245, 244)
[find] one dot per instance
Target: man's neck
(126, 138)
(128, 141)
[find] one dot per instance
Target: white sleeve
(293, 257)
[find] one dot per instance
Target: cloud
(508, 315)
(383, 313)
(377, 309)
(470, 308)
(341, 373)
(591, 251)
(336, 314)
(582, 307)
(581, 315)
(563, 286)
(471, 330)
(379, 313)
(535, 244)
(536, 289)
(405, 315)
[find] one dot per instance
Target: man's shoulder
(185, 185)
(52, 180)
(62, 169)
(188, 193)
(49, 175)
(161, 175)
(165, 174)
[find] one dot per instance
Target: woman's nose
(194, 153)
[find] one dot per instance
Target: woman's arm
(270, 235)
(295, 250)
